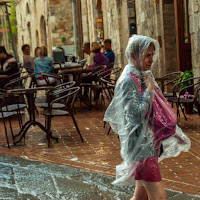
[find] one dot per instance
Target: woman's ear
(132, 55)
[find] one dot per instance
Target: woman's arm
(136, 106)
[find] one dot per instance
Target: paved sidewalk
(100, 153)
(25, 179)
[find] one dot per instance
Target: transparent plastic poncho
(144, 121)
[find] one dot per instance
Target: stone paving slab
(33, 180)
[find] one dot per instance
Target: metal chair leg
(109, 130)
(6, 133)
(49, 130)
(183, 112)
(11, 128)
(104, 124)
(77, 127)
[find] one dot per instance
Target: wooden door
(182, 35)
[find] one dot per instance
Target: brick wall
(170, 54)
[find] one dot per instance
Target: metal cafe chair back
(69, 96)
(52, 94)
(193, 85)
(170, 79)
(4, 116)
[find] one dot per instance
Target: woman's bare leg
(140, 192)
(155, 190)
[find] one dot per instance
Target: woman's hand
(149, 83)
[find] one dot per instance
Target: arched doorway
(37, 38)
(29, 34)
(99, 22)
(35, 9)
(43, 33)
(183, 42)
(27, 9)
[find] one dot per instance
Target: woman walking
(144, 121)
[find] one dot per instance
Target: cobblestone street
(25, 179)
(100, 153)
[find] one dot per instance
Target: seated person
(99, 58)
(86, 49)
(108, 51)
(27, 59)
(37, 52)
(43, 63)
(8, 66)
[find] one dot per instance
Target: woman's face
(144, 62)
(37, 52)
(148, 58)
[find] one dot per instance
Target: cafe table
(29, 93)
(77, 74)
(67, 65)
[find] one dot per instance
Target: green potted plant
(187, 75)
(188, 93)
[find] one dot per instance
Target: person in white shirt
(86, 49)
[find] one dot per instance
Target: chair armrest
(50, 75)
(4, 77)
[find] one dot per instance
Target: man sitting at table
(86, 49)
(27, 58)
(8, 66)
(108, 51)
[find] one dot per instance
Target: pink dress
(148, 170)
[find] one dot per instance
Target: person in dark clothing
(108, 51)
(8, 66)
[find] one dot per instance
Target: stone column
(194, 25)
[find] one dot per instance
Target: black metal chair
(111, 66)
(69, 96)
(109, 87)
(51, 95)
(16, 102)
(46, 77)
(4, 116)
(89, 81)
(171, 79)
(193, 85)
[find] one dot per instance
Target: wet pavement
(100, 153)
(27, 179)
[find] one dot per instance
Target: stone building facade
(175, 24)
(113, 18)
(156, 19)
(32, 23)
(60, 23)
